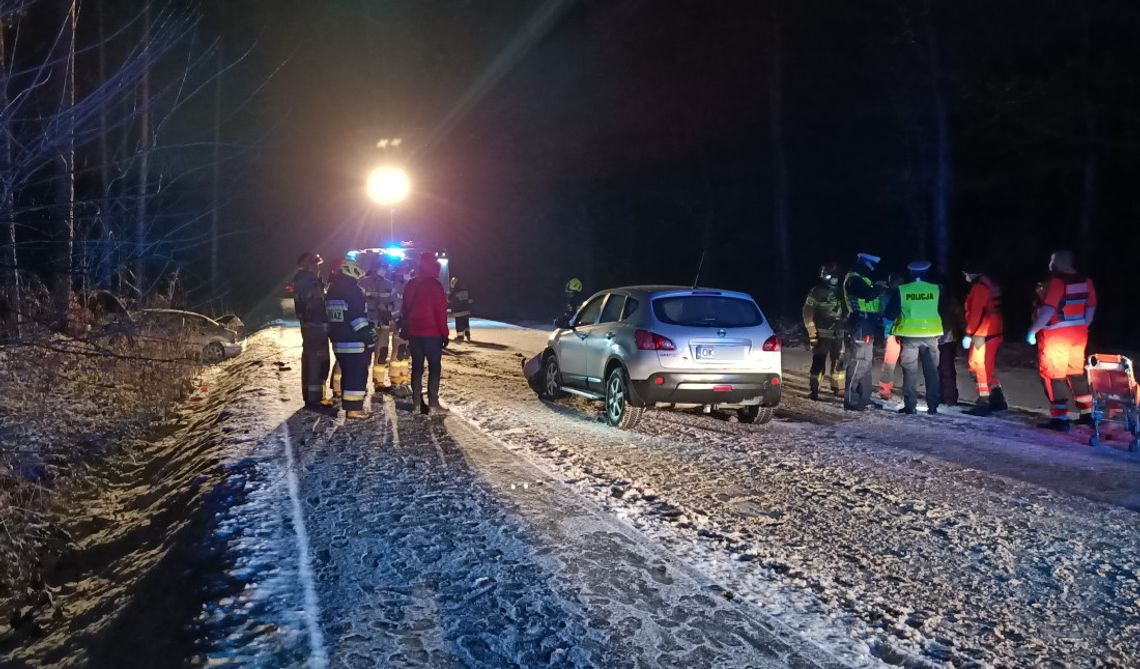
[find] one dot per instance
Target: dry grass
(65, 404)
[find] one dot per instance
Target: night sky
(602, 139)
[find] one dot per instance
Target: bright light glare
(395, 252)
(388, 185)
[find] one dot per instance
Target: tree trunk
(1091, 170)
(144, 164)
(943, 166)
(779, 162)
(215, 211)
(11, 257)
(101, 245)
(64, 264)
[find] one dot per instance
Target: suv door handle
(610, 335)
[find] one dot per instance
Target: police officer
(914, 311)
(460, 303)
(861, 297)
(825, 318)
(379, 296)
(309, 305)
(351, 334)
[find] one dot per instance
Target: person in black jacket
(460, 302)
(351, 334)
(309, 305)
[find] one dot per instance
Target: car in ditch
(198, 335)
(640, 347)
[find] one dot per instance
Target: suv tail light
(772, 344)
(650, 341)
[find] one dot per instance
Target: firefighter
(309, 305)
(399, 362)
(460, 299)
(893, 346)
(379, 296)
(917, 322)
(861, 297)
(351, 334)
(983, 338)
(825, 318)
(572, 292)
(1060, 330)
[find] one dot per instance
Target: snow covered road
(517, 532)
(903, 540)
(432, 545)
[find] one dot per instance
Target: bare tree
(779, 160)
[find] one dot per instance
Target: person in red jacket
(984, 330)
(425, 322)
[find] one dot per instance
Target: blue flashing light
(352, 255)
(395, 252)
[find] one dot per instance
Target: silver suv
(666, 346)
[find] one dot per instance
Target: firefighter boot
(814, 384)
(839, 384)
(357, 415)
(997, 399)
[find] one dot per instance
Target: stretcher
(1115, 396)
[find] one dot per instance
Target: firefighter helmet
(574, 285)
(830, 272)
(351, 268)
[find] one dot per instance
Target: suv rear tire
(551, 379)
(619, 412)
(756, 414)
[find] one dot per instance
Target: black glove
(370, 336)
(445, 339)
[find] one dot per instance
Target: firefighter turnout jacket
(349, 328)
(308, 298)
(460, 300)
(379, 298)
(825, 312)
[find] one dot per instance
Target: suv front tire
(551, 378)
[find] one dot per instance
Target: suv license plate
(706, 352)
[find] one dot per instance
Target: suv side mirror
(563, 323)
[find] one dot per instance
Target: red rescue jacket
(983, 309)
(425, 303)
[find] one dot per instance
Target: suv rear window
(707, 311)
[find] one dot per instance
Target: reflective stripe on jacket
(918, 311)
(1070, 295)
(344, 304)
(860, 305)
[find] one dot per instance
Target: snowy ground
(517, 532)
(430, 545)
(916, 540)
